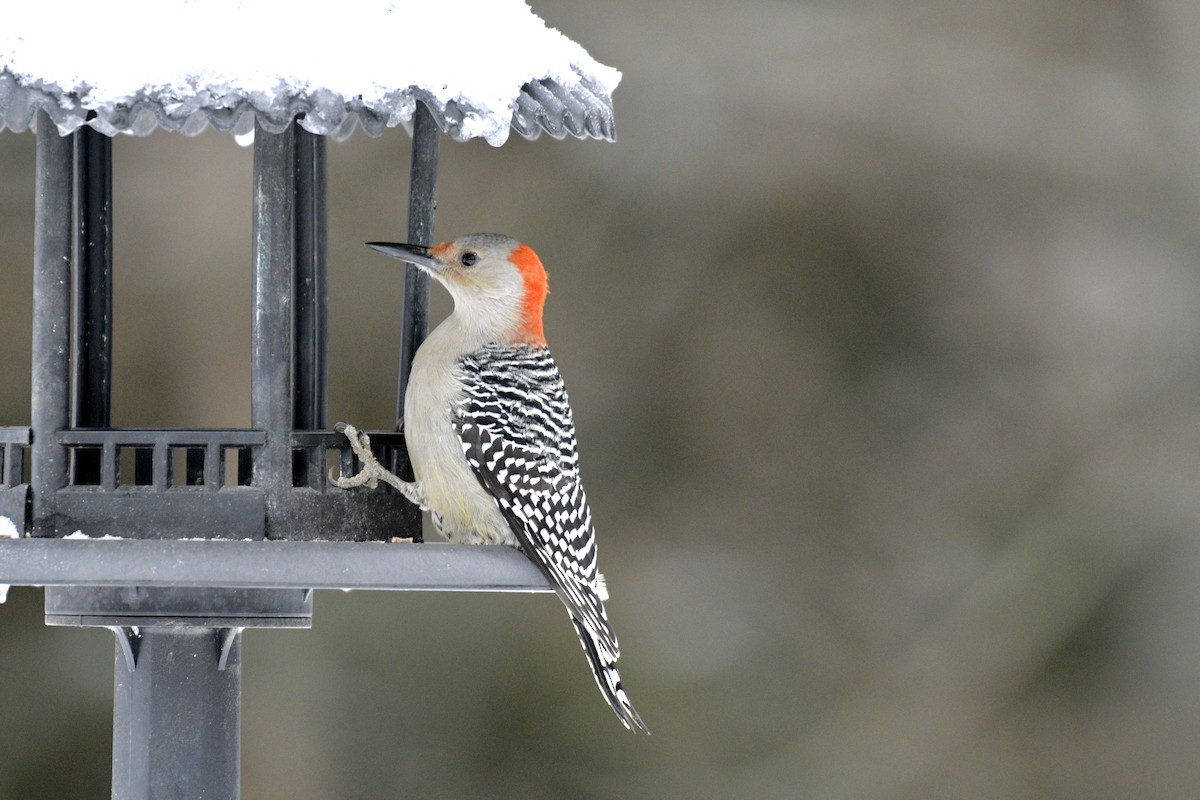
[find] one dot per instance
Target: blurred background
(880, 326)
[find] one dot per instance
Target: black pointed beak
(412, 253)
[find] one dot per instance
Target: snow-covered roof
(128, 66)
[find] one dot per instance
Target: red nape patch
(536, 289)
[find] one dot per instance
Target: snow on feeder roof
(481, 66)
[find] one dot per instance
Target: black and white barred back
(518, 436)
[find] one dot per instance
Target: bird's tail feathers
(604, 669)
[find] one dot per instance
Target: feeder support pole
(51, 401)
(177, 680)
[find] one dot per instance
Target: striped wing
(518, 435)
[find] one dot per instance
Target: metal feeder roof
(481, 68)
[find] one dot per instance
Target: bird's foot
(371, 472)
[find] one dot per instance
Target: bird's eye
(468, 259)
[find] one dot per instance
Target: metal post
(92, 356)
(422, 203)
(177, 680)
(312, 289)
(271, 330)
(50, 403)
(177, 713)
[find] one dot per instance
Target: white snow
(353, 59)
(82, 535)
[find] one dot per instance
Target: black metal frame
(279, 488)
(178, 607)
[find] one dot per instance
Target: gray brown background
(879, 322)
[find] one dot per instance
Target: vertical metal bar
(92, 355)
(93, 280)
(14, 463)
(214, 466)
(161, 475)
(110, 466)
(50, 400)
(271, 328)
(177, 713)
(422, 203)
(312, 298)
(312, 290)
(315, 475)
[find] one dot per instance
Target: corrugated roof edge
(583, 110)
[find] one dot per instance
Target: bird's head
(498, 284)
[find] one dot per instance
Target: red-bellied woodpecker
(491, 437)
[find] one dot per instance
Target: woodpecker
(490, 434)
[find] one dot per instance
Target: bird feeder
(179, 539)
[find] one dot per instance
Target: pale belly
(462, 511)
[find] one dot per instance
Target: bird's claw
(371, 470)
